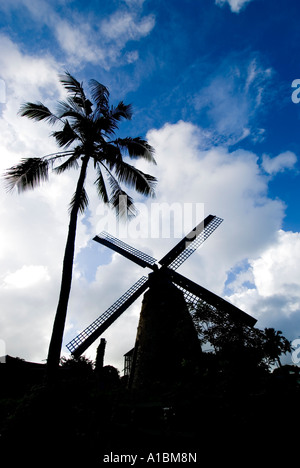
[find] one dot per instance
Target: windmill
(162, 278)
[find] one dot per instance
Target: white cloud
(78, 42)
(230, 184)
(132, 56)
(126, 26)
(235, 5)
(274, 298)
(277, 271)
(233, 98)
(18, 68)
(85, 41)
(279, 163)
(90, 38)
(27, 78)
(26, 277)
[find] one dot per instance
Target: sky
(215, 89)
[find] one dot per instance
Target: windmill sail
(169, 263)
(193, 292)
(126, 250)
(82, 341)
(191, 242)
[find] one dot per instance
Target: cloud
(76, 41)
(274, 298)
(121, 25)
(233, 98)
(279, 163)
(28, 66)
(132, 56)
(277, 271)
(235, 5)
(27, 276)
(90, 38)
(228, 183)
(19, 71)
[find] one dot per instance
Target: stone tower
(167, 348)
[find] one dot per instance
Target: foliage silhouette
(81, 421)
(274, 345)
(80, 368)
(236, 343)
(86, 134)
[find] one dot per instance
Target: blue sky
(211, 86)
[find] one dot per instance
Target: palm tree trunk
(65, 288)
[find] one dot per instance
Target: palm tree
(86, 134)
(275, 344)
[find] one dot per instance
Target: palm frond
(123, 205)
(121, 111)
(38, 111)
(82, 201)
(108, 153)
(65, 137)
(75, 89)
(29, 173)
(100, 95)
(105, 124)
(101, 187)
(107, 119)
(68, 108)
(133, 177)
(69, 164)
(136, 148)
(54, 157)
(120, 200)
(72, 85)
(94, 133)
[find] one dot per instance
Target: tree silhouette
(236, 341)
(274, 345)
(87, 133)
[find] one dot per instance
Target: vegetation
(89, 412)
(86, 135)
(236, 343)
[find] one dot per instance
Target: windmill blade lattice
(126, 250)
(87, 337)
(169, 263)
(193, 292)
(191, 242)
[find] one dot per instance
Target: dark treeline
(238, 395)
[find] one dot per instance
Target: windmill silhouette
(163, 275)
